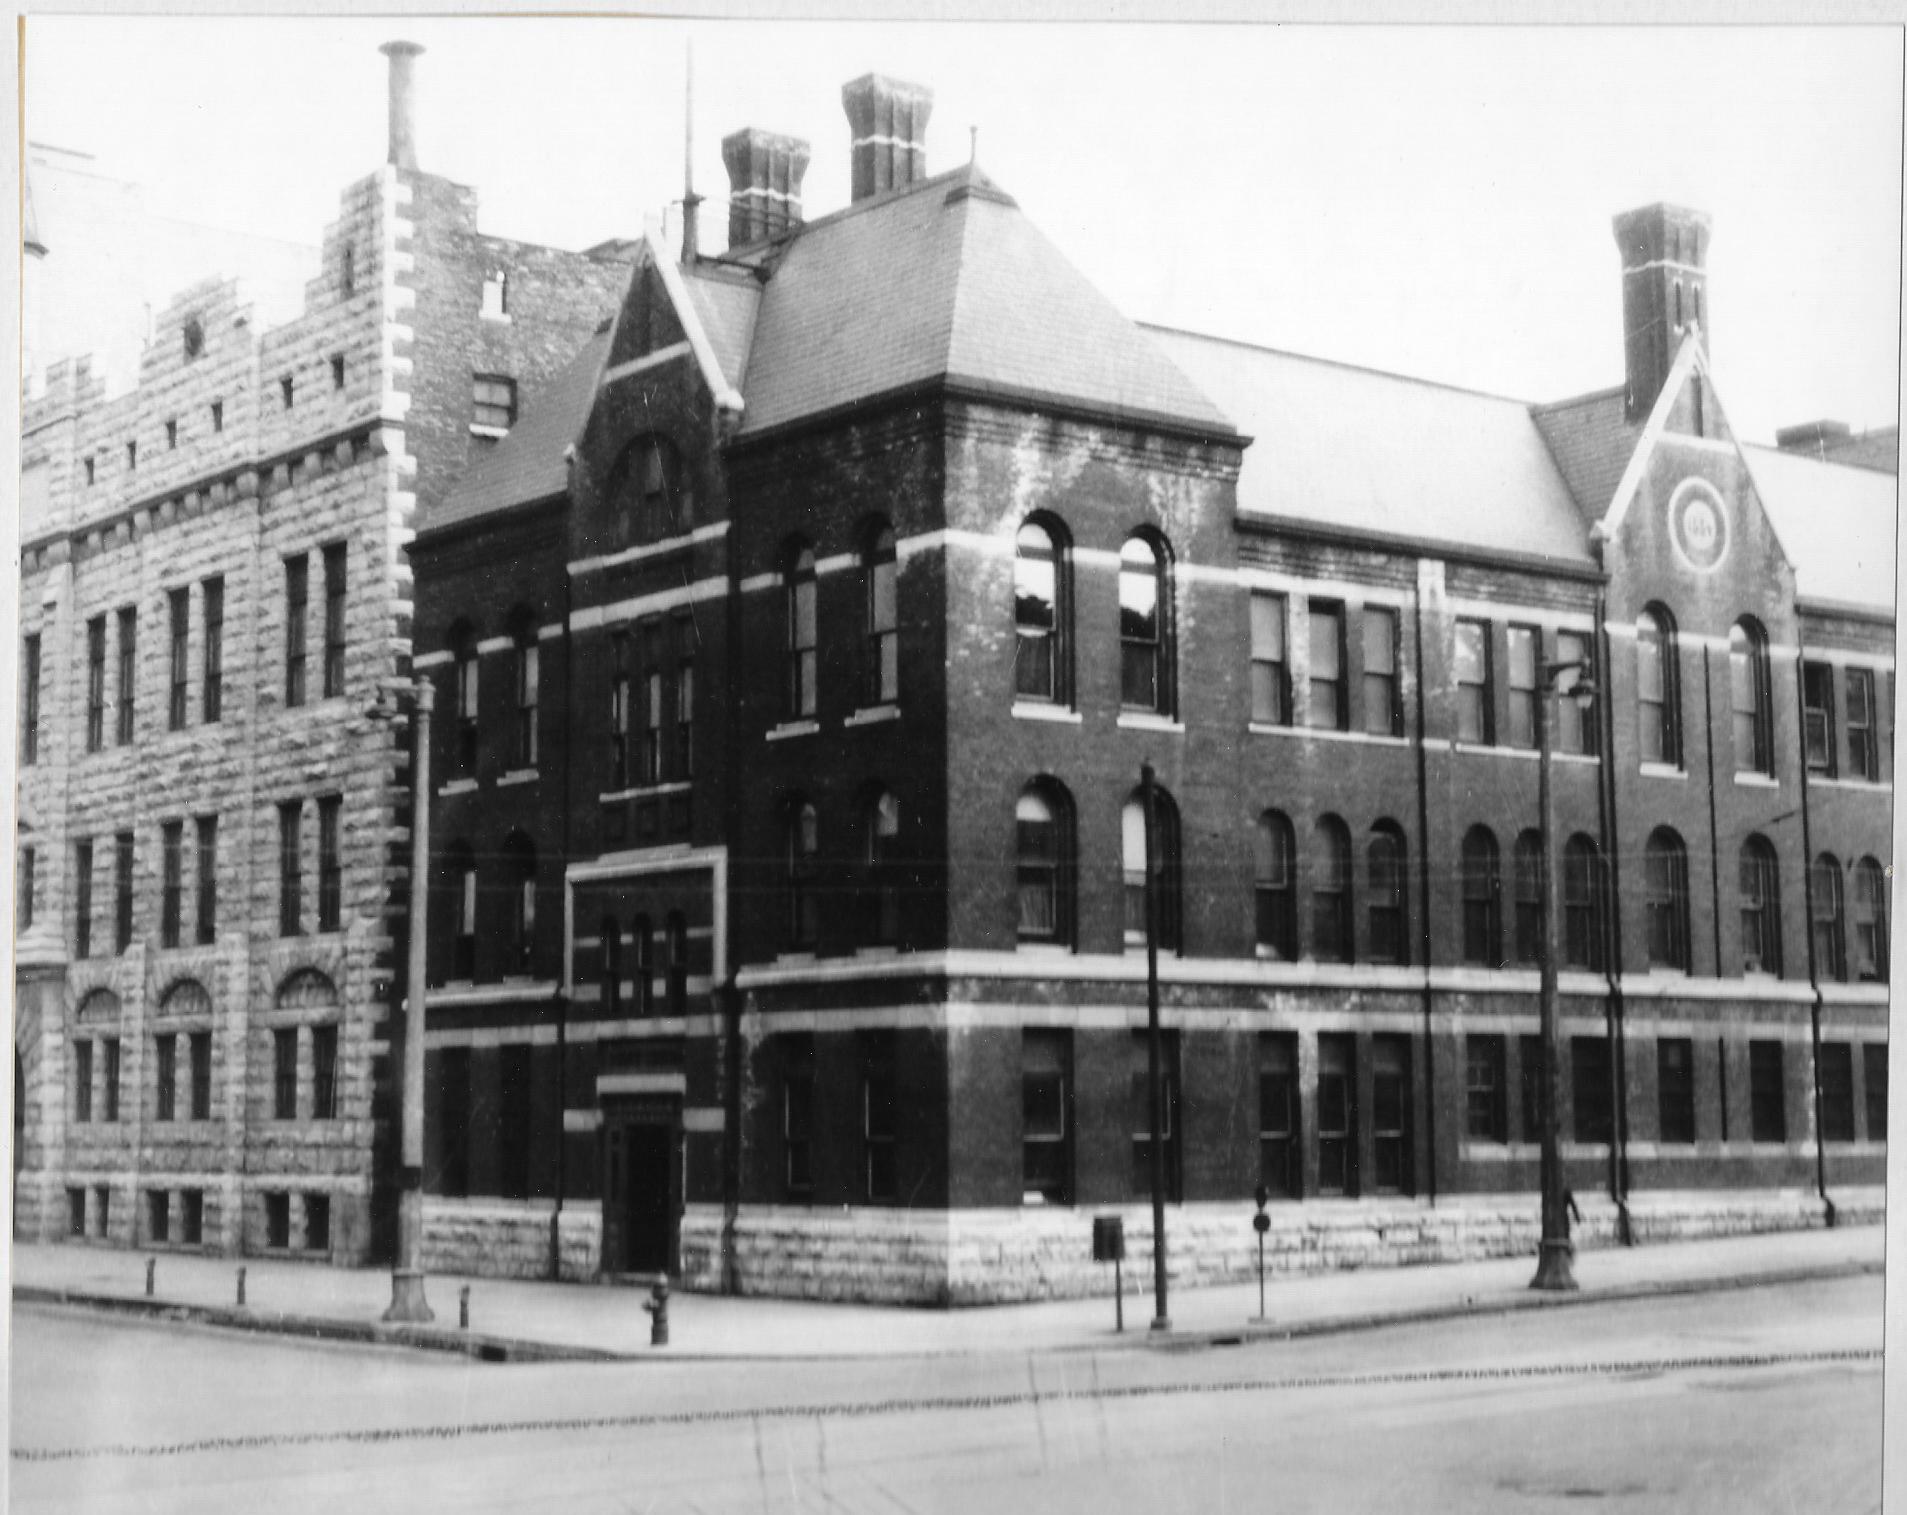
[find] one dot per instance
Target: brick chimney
(1664, 294)
(403, 149)
(764, 183)
(887, 122)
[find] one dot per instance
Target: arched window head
(519, 867)
(881, 829)
(1658, 723)
(1043, 850)
(1274, 887)
(1526, 867)
(1165, 867)
(1665, 900)
(1482, 899)
(1331, 938)
(1749, 691)
(1829, 922)
(1145, 625)
(1582, 905)
(1760, 883)
(798, 595)
(1042, 615)
(881, 617)
(1870, 921)
(1387, 894)
(801, 850)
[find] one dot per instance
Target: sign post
(1261, 1223)
(1109, 1245)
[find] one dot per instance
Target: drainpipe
(1423, 898)
(1714, 833)
(1814, 968)
(1613, 1004)
(734, 1070)
(567, 978)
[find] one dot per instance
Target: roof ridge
(1582, 399)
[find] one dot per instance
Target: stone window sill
(1757, 781)
(789, 729)
(1141, 720)
(873, 715)
(457, 786)
(1663, 771)
(1033, 710)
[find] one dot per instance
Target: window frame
(1577, 730)
(493, 402)
(1147, 657)
(172, 882)
(205, 921)
(1751, 701)
(1042, 653)
(95, 683)
(179, 610)
(1870, 960)
(1666, 942)
(801, 630)
(1675, 1090)
(291, 868)
(1382, 630)
(212, 656)
(1333, 936)
(1658, 688)
(1767, 1091)
(1046, 1084)
(1387, 895)
(128, 664)
(1275, 887)
(801, 857)
(1486, 1091)
(1164, 863)
(880, 603)
(1268, 614)
(1044, 864)
(30, 699)
(330, 863)
(335, 566)
(1759, 880)
(1474, 716)
(1280, 1115)
(297, 607)
(1863, 748)
(1521, 684)
(1828, 917)
(1325, 702)
(1819, 743)
(1482, 885)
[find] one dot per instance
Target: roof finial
(973, 146)
(691, 201)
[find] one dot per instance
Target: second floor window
(180, 608)
(621, 757)
(1665, 900)
(212, 697)
(1482, 894)
(290, 868)
(1040, 614)
(1817, 717)
(1274, 888)
(463, 877)
(1658, 727)
(882, 822)
(1870, 921)
(464, 653)
(30, 701)
(649, 707)
(525, 651)
(1042, 823)
(172, 881)
(1145, 626)
(1526, 867)
(334, 567)
(1575, 719)
(83, 898)
(1760, 908)
(1472, 670)
(330, 866)
(208, 839)
(493, 402)
(1270, 703)
(798, 591)
(1385, 870)
(95, 683)
(128, 671)
(802, 846)
(1383, 713)
(1324, 696)
(1164, 868)
(1863, 751)
(1749, 695)
(880, 572)
(520, 868)
(1331, 934)
(1582, 905)
(122, 886)
(1525, 647)
(1829, 923)
(297, 591)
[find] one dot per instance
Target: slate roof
(1836, 521)
(727, 305)
(1592, 443)
(528, 464)
(1378, 453)
(946, 278)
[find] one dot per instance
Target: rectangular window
(128, 672)
(334, 561)
(514, 1134)
(1837, 1091)
(172, 881)
(1874, 1079)
(318, 1223)
(212, 697)
(291, 905)
(330, 869)
(1475, 719)
(496, 296)
(158, 1216)
(192, 1217)
(1324, 703)
(685, 638)
(527, 672)
(199, 1047)
(1270, 704)
(218, 416)
(879, 1109)
(132, 457)
(619, 712)
(1817, 716)
(797, 1116)
(30, 702)
(1675, 1089)
(109, 1076)
(1141, 1086)
(1529, 1063)
(102, 1211)
(297, 588)
(1575, 718)
(1863, 752)
(278, 1206)
(83, 899)
(76, 1209)
(82, 1082)
(1337, 1114)
(1524, 645)
(287, 391)
(180, 607)
(1390, 1114)
(1589, 1089)
(284, 1073)
(1383, 714)
(337, 370)
(649, 707)
(1280, 1145)
(166, 1069)
(493, 402)
(122, 891)
(95, 683)
(468, 696)
(324, 1072)
(208, 839)
(1046, 1088)
(29, 859)
(1487, 1115)
(1767, 1109)
(172, 436)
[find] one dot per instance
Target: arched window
(1582, 904)
(881, 829)
(1042, 614)
(801, 846)
(1658, 721)
(463, 887)
(1043, 845)
(649, 489)
(642, 943)
(1165, 862)
(1331, 891)
(882, 614)
(523, 654)
(1145, 625)
(1760, 908)
(612, 966)
(1870, 920)
(519, 871)
(1482, 899)
(1526, 876)
(463, 652)
(1830, 922)
(1749, 689)
(1274, 887)
(1665, 899)
(1387, 880)
(798, 593)
(676, 934)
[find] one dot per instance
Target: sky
(1429, 200)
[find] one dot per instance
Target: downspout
(566, 980)
(730, 995)
(1714, 834)
(1814, 968)
(1613, 1005)
(1423, 898)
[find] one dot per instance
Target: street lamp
(407, 1276)
(1553, 1266)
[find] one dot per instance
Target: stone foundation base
(501, 1238)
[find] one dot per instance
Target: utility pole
(1161, 1321)
(407, 1278)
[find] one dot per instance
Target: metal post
(151, 1264)
(241, 1288)
(1261, 1275)
(1553, 1271)
(407, 1278)
(1161, 1321)
(1118, 1295)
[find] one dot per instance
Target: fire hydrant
(658, 1307)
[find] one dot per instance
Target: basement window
(285, 389)
(496, 296)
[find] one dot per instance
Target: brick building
(801, 617)
(805, 641)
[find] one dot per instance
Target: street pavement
(524, 1320)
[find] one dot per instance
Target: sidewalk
(516, 1321)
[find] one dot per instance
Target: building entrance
(641, 1199)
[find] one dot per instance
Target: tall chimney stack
(887, 124)
(403, 150)
(1664, 294)
(764, 183)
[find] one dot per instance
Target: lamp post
(1161, 1320)
(1553, 1262)
(407, 1277)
